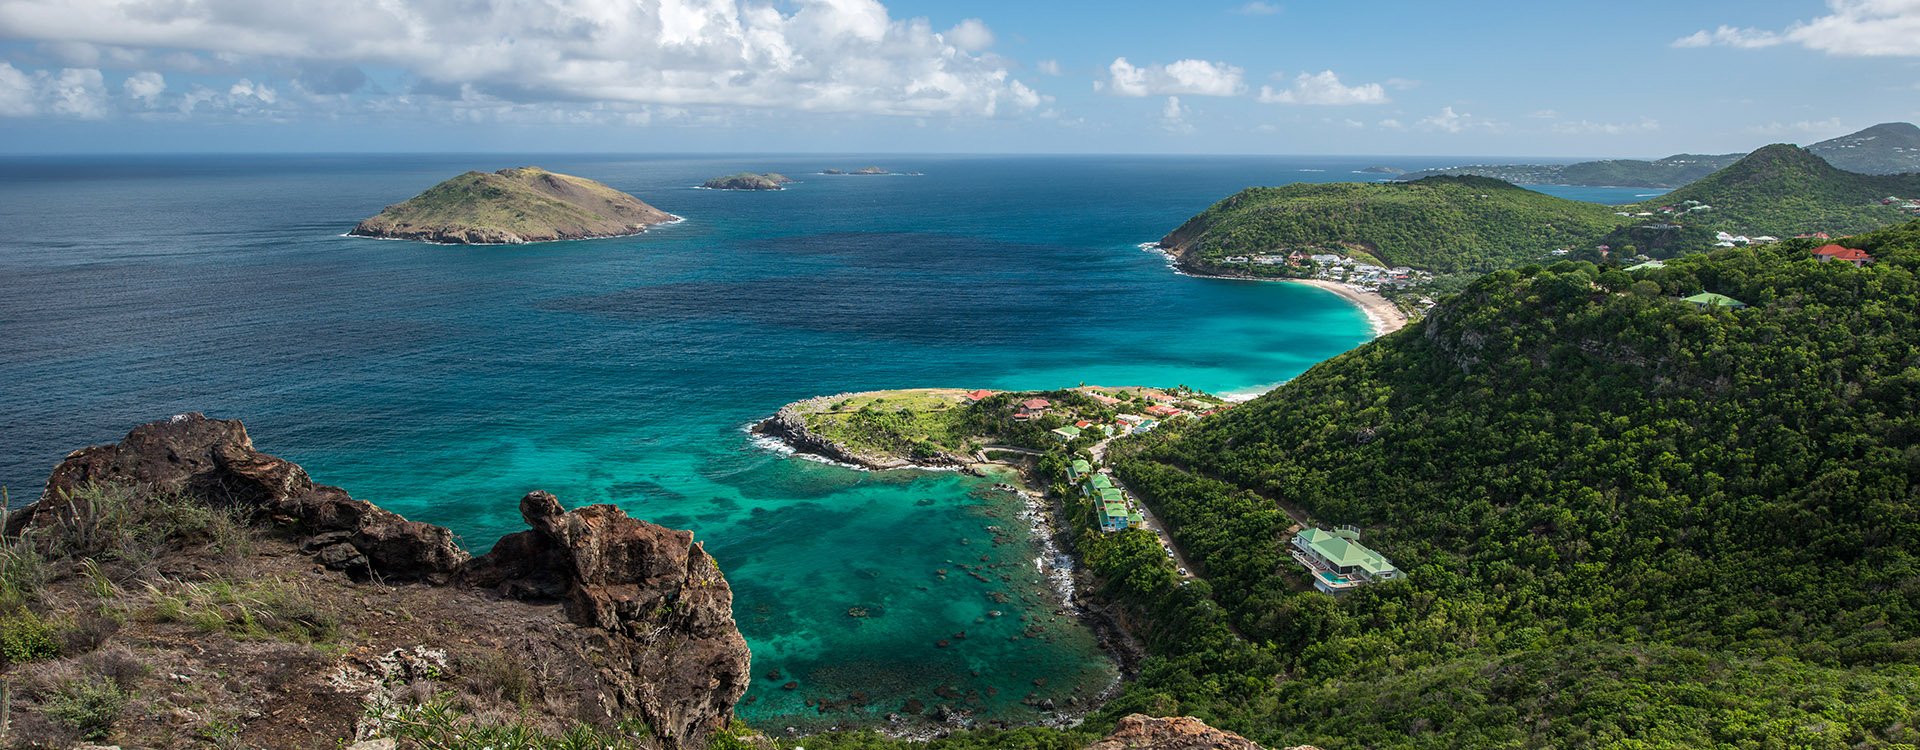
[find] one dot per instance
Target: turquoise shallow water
(445, 382)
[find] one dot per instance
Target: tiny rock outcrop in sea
(1142, 732)
(589, 616)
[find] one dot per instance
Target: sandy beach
(1386, 318)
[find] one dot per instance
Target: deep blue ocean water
(445, 382)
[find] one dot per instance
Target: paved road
(1154, 524)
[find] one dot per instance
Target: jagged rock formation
(1142, 732)
(513, 206)
(680, 660)
(647, 631)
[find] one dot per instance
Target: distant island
(860, 171)
(749, 181)
(511, 207)
(1887, 148)
(1384, 170)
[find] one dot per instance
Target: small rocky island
(749, 181)
(868, 171)
(1384, 170)
(511, 207)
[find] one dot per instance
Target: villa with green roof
(1709, 299)
(1080, 468)
(1338, 561)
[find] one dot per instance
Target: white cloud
(1324, 88)
(1645, 125)
(1851, 28)
(1817, 127)
(247, 89)
(1448, 120)
(16, 92)
(1728, 36)
(144, 87)
(1048, 67)
(1257, 8)
(1195, 77)
(1392, 124)
(79, 93)
(971, 35)
(1173, 117)
(821, 56)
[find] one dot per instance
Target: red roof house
(1035, 404)
(1162, 410)
(979, 394)
(1852, 255)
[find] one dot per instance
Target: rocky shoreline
(1070, 583)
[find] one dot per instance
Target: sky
(1389, 77)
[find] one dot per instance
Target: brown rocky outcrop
(1142, 732)
(652, 633)
(673, 655)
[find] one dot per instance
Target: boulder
(1142, 732)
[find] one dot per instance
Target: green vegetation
(1443, 224)
(245, 609)
(440, 724)
(748, 181)
(1671, 172)
(87, 705)
(526, 204)
(929, 422)
(1887, 148)
(1783, 190)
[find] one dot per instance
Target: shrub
(89, 706)
(497, 676)
(25, 636)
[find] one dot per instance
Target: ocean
(445, 382)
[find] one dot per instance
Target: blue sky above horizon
(1635, 78)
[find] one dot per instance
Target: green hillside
(1443, 224)
(1887, 148)
(1628, 521)
(1783, 190)
(1670, 172)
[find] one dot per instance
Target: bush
(246, 609)
(25, 636)
(89, 706)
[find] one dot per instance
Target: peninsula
(511, 207)
(749, 181)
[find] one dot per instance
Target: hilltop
(513, 206)
(1784, 190)
(1443, 224)
(1888, 148)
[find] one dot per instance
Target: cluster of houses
(1110, 502)
(1723, 239)
(1910, 205)
(1336, 267)
(1678, 209)
(1828, 253)
(1338, 562)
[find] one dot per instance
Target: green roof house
(1647, 266)
(1338, 561)
(1709, 299)
(1066, 434)
(1078, 469)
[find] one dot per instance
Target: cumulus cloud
(77, 93)
(1181, 77)
(1448, 120)
(821, 55)
(144, 87)
(1173, 117)
(1324, 88)
(1852, 28)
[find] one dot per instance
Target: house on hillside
(1031, 408)
(1647, 266)
(1066, 434)
(979, 395)
(1710, 299)
(1852, 255)
(1078, 469)
(1163, 411)
(1338, 561)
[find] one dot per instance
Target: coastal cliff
(511, 207)
(224, 591)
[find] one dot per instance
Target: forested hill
(1443, 224)
(1784, 190)
(1628, 521)
(1887, 148)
